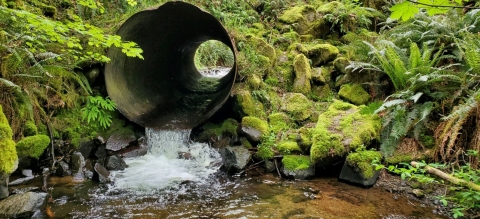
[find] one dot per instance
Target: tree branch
(442, 6)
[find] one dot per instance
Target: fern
(97, 110)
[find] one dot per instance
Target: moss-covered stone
(303, 74)
(329, 7)
(8, 154)
(362, 162)
(246, 105)
(30, 129)
(262, 48)
(354, 94)
(321, 92)
(322, 53)
(297, 106)
(288, 147)
(278, 122)
(254, 82)
(286, 39)
(265, 151)
(256, 123)
(299, 17)
(32, 146)
(342, 129)
(319, 29)
(340, 64)
(318, 76)
(305, 135)
(227, 129)
(296, 162)
(349, 37)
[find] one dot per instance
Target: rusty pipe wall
(165, 90)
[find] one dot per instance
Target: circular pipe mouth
(165, 90)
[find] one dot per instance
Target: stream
(160, 185)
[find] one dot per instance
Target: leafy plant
(407, 9)
(351, 15)
(97, 110)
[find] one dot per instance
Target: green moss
(30, 128)
(329, 7)
(354, 94)
(278, 122)
(349, 37)
(32, 146)
(8, 154)
(319, 29)
(288, 147)
(265, 152)
(363, 162)
(322, 53)
(262, 48)
(256, 123)
(296, 162)
(3, 118)
(272, 81)
(340, 64)
(318, 76)
(296, 14)
(246, 143)
(342, 129)
(227, 128)
(297, 106)
(303, 74)
(247, 105)
(305, 134)
(396, 159)
(254, 82)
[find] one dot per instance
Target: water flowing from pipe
(161, 168)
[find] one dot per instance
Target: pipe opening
(214, 59)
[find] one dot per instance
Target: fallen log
(448, 177)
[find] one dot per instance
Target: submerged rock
(22, 205)
(297, 167)
(235, 158)
(115, 163)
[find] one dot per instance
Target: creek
(160, 185)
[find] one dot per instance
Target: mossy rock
(262, 48)
(299, 17)
(305, 135)
(30, 129)
(342, 129)
(8, 153)
(254, 82)
(289, 147)
(318, 76)
(246, 105)
(286, 39)
(362, 162)
(228, 128)
(321, 92)
(322, 53)
(319, 29)
(296, 162)
(354, 94)
(340, 64)
(297, 106)
(32, 146)
(256, 123)
(329, 7)
(303, 74)
(349, 37)
(279, 122)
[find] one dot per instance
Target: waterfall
(162, 168)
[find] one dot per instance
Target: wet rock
(251, 134)
(103, 174)
(135, 151)
(78, 163)
(235, 158)
(4, 185)
(27, 172)
(115, 163)
(185, 155)
(120, 140)
(86, 148)
(21, 180)
(63, 169)
(99, 140)
(25, 190)
(349, 174)
(297, 167)
(224, 142)
(101, 152)
(22, 205)
(269, 166)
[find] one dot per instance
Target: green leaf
(404, 10)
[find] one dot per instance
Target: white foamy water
(216, 72)
(161, 168)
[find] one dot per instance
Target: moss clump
(246, 143)
(256, 123)
(296, 162)
(288, 147)
(354, 94)
(30, 129)
(303, 74)
(278, 122)
(329, 7)
(254, 82)
(227, 128)
(262, 48)
(322, 53)
(401, 158)
(362, 161)
(265, 152)
(297, 106)
(319, 29)
(296, 14)
(246, 105)
(8, 154)
(32, 146)
(318, 76)
(349, 37)
(342, 129)
(340, 64)
(305, 135)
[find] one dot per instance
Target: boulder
(296, 105)
(101, 152)
(140, 149)
(279, 122)
(78, 163)
(103, 174)
(342, 129)
(358, 168)
(99, 140)
(20, 180)
(115, 163)
(297, 167)
(22, 205)
(322, 53)
(120, 139)
(235, 158)
(27, 172)
(270, 166)
(299, 17)
(354, 94)
(63, 169)
(254, 128)
(318, 76)
(303, 74)
(245, 105)
(86, 148)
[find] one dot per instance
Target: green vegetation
(363, 162)
(32, 146)
(354, 94)
(8, 157)
(296, 162)
(256, 123)
(212, 54)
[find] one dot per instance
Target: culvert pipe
(165, 90)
